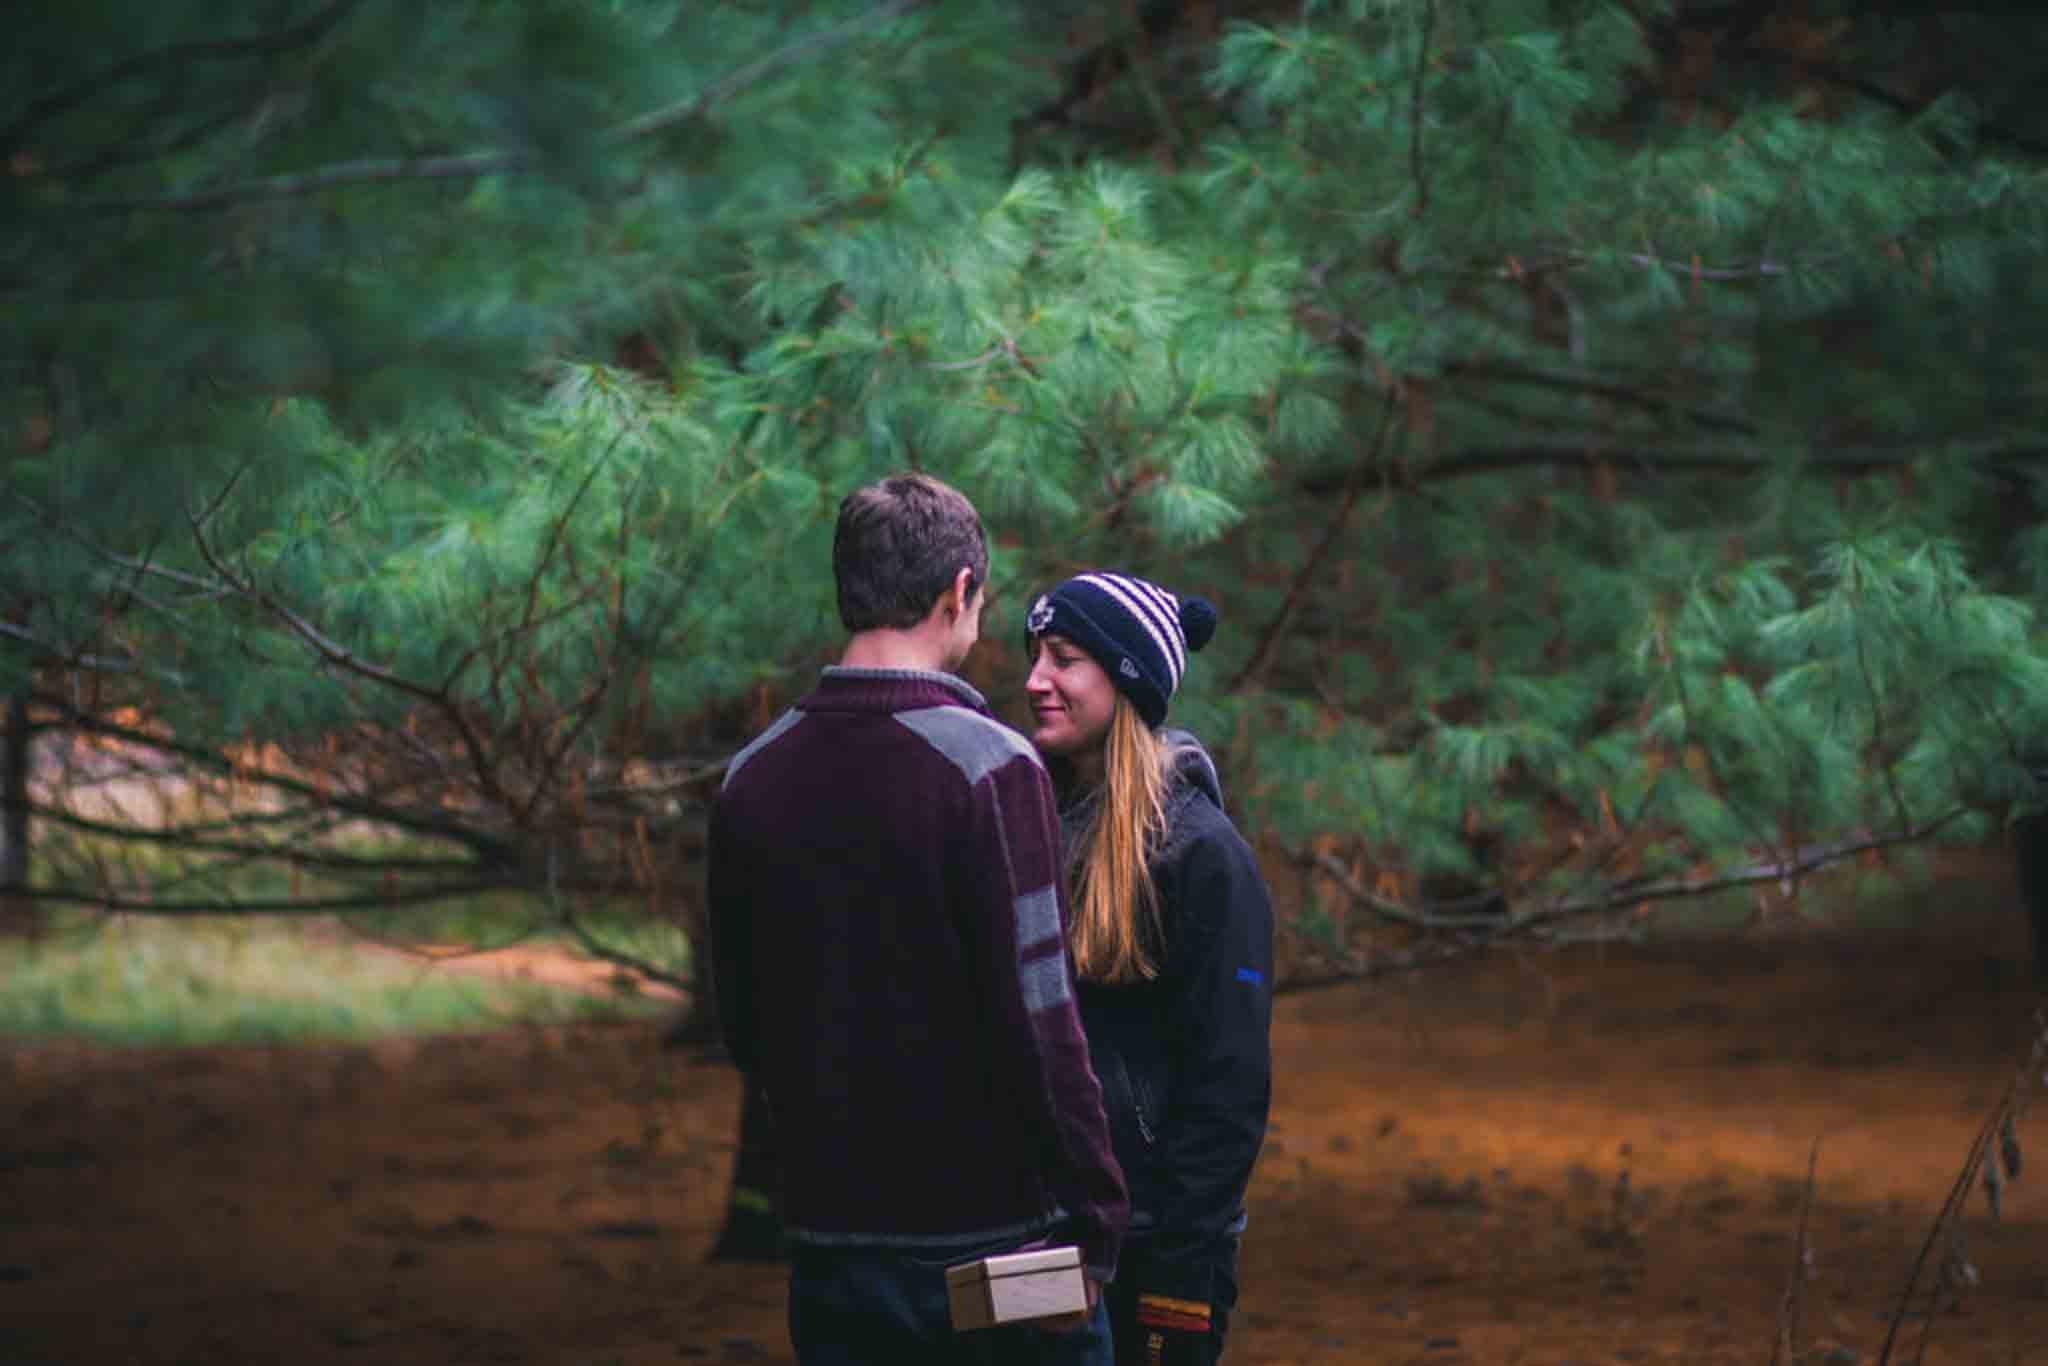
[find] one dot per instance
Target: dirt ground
(1586, 1156)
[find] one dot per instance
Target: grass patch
(233, 979)
(505, 918)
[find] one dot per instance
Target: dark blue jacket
(1184, 1059)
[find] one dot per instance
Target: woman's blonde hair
(1115, 931)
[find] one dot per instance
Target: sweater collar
(892, 689)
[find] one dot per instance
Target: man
(888, 931)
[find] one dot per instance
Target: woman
(1172, 937)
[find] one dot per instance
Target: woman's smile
(1072, 699)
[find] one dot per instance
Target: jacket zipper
(1138, 1108)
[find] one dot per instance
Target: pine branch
(1996, 134)
(470, 165)
(1269, 639)
(309, 30)
(1618, 393)
(1597, 449)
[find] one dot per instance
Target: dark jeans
(1121, 1295)
(872, 1306)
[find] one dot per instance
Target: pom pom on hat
(1138, 632)
(1198, 620)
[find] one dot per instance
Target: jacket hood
(1193, 766)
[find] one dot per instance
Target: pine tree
(1607, 427)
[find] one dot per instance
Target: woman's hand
(1068, 1323)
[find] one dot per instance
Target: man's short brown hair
(899, 544)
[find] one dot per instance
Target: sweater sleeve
(1216, 1113)
(1040, 1052)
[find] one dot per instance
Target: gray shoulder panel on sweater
(977, 745)
(782, 726)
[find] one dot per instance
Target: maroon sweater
(888, 931)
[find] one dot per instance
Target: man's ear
(961, 593)
(952, 599)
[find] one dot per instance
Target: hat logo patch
(1127, 668)
(1040, 617)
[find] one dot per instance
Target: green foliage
(1586, 425)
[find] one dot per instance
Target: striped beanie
(1137, 631)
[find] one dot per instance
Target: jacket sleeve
(1039, 1050)
(1222, 1084)
(732, 941)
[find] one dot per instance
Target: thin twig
(1416, 111)
(1625, 893)
(491, 847)
(308, 30)
(342, 657)
(1354, 485)
(1391, 910)
(596, 947)
(2010, 1104)
(296, 856)
(1785, 1349)
(367, 901)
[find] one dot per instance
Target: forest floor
(1584, 1156)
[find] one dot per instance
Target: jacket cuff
(1098, 1249)
(1174, 1271)
(1173, 1315)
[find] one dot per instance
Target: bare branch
(368, 901)
(308, 30)
(75, 658)
(297, 855)
(349, 661)
(719, 91)
(1388, 909)
(598, 949)
(1504, 373)
(1629, 892)
(1368, 460)
(1801, 862)
(496, 851)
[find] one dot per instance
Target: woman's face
(1072, 699)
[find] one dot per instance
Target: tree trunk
(17, 914)
(2030, 857)
(753, 1209)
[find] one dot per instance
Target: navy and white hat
(1138, 632)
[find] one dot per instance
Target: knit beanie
(1137, 631)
